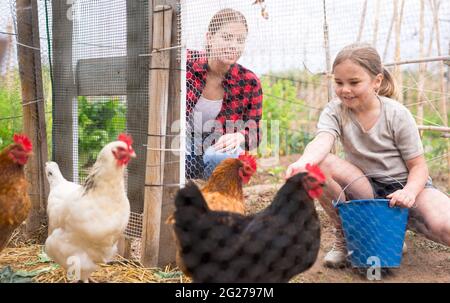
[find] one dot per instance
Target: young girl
(380, 138)
(220, 91)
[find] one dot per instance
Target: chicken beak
(133, 154)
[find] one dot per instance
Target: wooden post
(158, 102)
(136, 85)
(398, 26)
(327, 52)
(167, 247)
(422, 66)
(391, 25)
(137, 89)
(64, 91)
(10, 56)
(435, 9)
(327, 61)
(441, 129)
(362, 21)
(33, 108)
(376, 21)
(3, 47)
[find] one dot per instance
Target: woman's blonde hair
(368, 58)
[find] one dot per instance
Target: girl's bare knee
(445, 234)
(440, 232)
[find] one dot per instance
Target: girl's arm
(417, 177)
(314, 153)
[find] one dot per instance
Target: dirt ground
(425, 261)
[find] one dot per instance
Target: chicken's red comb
(249, 159)
(23, 141)
(315, 172)
(125, 138)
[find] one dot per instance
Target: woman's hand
(295, 168)
(229, 142)
(402, 198)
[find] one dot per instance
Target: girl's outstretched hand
(295, 168)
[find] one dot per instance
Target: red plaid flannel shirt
(242, 99)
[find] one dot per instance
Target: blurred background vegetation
(294, 98)
(100, 120)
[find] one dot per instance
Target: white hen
(60, 189)
(85, 222)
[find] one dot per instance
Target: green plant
(11, 120)
(99, 123)
(10, 109)
(281, 104)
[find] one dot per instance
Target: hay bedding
(30, 264)
(25, 261)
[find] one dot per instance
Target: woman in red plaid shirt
(223, 98)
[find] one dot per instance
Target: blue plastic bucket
(373, 229)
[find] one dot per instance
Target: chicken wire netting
(98, 55)
(17, 65)
(101, 88)
(95, 51)
(235, 110)
(11, 111)
(290, 46)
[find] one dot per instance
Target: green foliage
(99, 123)
(10, 107)
(281, 104)
(11, 120)
(277, 170)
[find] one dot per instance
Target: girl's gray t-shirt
(384, 148)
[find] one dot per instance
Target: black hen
(271, 246)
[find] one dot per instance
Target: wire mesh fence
(98, 55)
(90, 104)
(25, 92)
(105, 40)
(290, 46)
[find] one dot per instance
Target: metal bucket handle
(335, 203)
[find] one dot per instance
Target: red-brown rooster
(14, 201)
(271, 246)
(223, 190)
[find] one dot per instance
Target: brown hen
(14, 200)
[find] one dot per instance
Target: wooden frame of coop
(154, 63)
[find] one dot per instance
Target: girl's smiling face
(354, 85)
